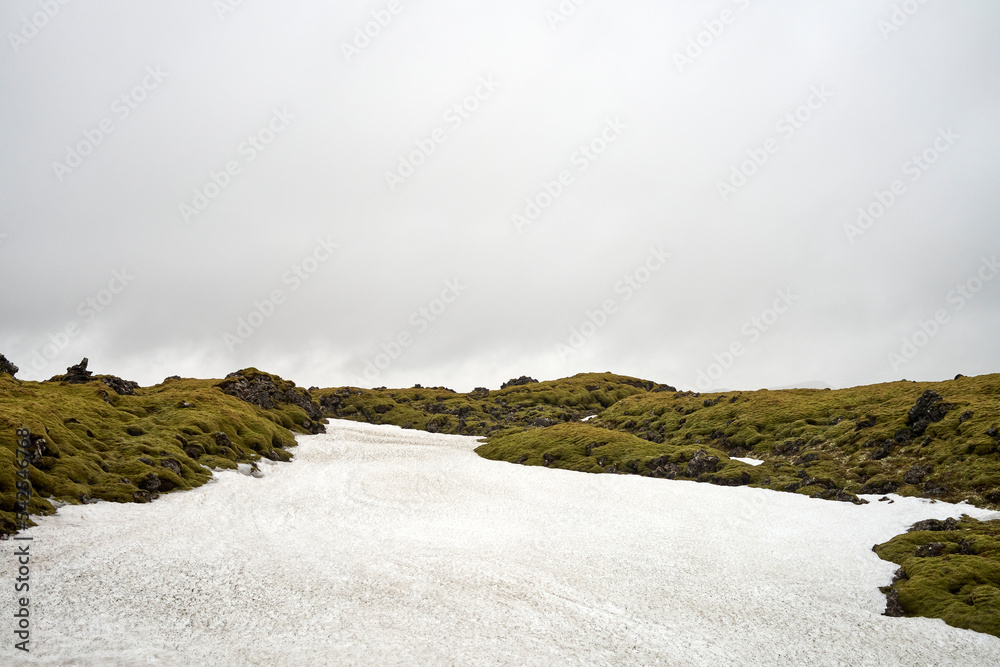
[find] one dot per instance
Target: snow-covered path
(379, 546)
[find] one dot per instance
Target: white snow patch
(587, 419)
(383, 546)
(745, 459)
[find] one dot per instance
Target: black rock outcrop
(517, 382)
(268, 391)
(929, 409)
(7, 367)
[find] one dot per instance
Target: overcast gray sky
(731, 194)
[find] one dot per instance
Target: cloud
(258, 121)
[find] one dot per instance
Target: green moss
(438, 409)
(847, 429)
(953, 575)
(100, 446)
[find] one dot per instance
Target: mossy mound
(951, 572)
(588, 448)
(931, 439)
(272, 392)
(870, 439)
(482, 411)
(92, 444)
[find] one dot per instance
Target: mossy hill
(948, 570)
(520, 403)
(90, 443)
(933, 439)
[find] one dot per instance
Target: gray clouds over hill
(735, 194)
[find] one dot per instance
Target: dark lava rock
(880, 488)
(787, 448)
(930, 550)
(883, 451)
(928, 409)
(149, 462)
(7, 367)
(78, 374)
(172, 465)
(701, 463)
(933, 524)
(916, 474)
(742, 480)
(591, 446)
(120, 386)
(194, 451)
(549, 459)
(867, 422)
(260, 389)
(151, 483)
(542, 422)
(666, 471)
(892, 606)
(331, 403)
(840, 496)
(479, 392)
(38, 448)
(932, 489)
(517, 382)
(142, 496)
(965, 416)
(222, 440)
(965, 547)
